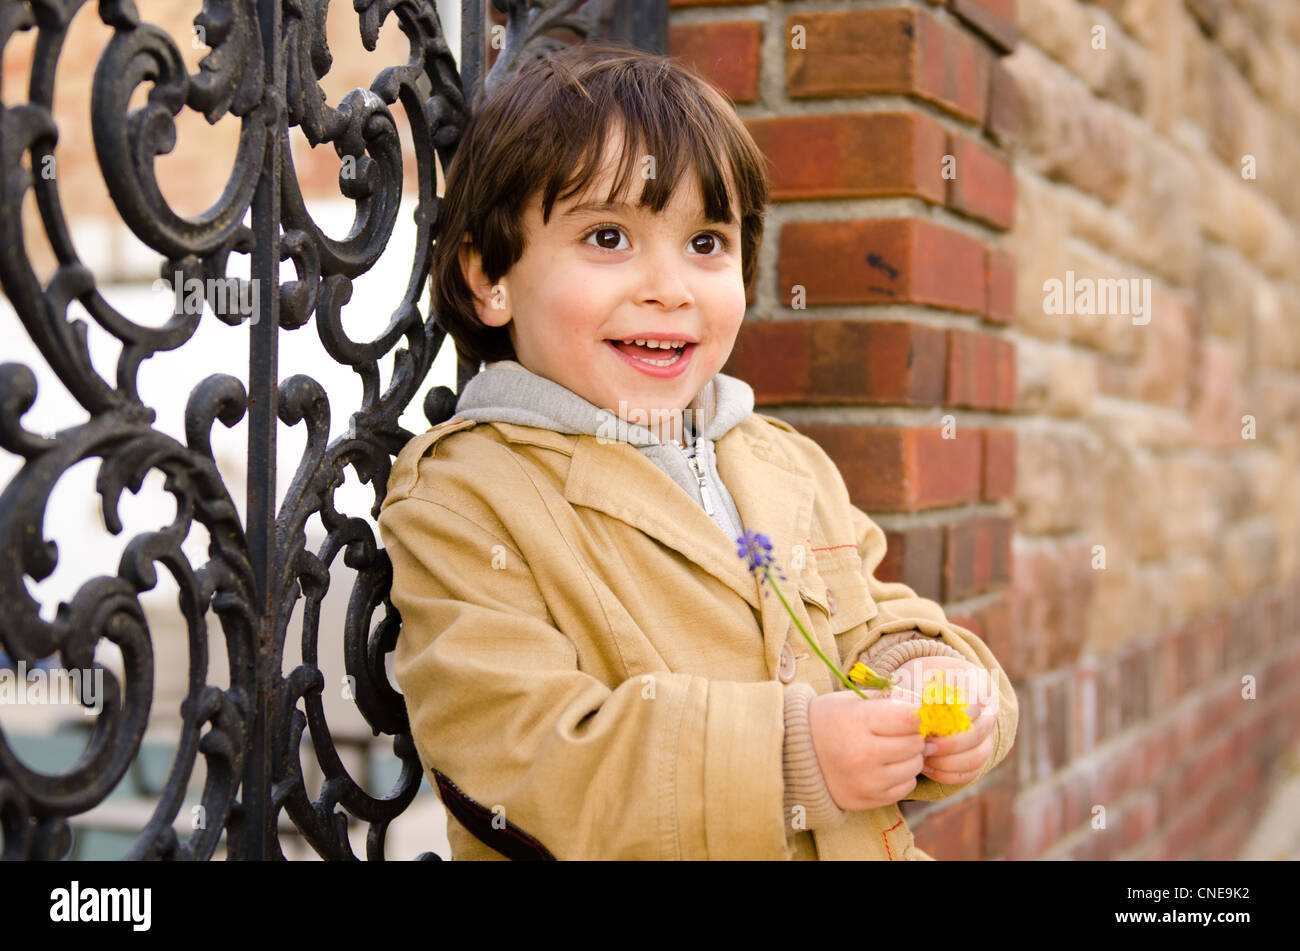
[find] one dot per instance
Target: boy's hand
(957, 759)
(869, 751)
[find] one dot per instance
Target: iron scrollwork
(265, 62)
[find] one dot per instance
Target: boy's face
(594, 277)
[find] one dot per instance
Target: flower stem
(813, 644)
(802, 630)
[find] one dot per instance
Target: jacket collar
(754, 470)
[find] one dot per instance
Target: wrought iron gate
(266, 58)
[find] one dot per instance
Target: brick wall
(1083, 490)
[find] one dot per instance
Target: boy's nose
(663, 279)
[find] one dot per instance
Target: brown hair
(550, 118)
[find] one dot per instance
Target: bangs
(671, 127)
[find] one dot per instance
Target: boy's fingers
(980, 728)
(943, 771)
(964, 761)
(898, 749)
(892, 717)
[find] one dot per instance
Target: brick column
(878, 326)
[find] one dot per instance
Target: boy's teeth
(659, 344)
(629, 347)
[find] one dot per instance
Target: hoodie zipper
(697, 467)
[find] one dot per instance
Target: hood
(507, 391)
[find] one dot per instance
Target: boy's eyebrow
(588, 207)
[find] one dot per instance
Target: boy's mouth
(659, 356)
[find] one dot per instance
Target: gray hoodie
(507, 391)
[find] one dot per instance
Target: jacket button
(785, 668)
(830, 600)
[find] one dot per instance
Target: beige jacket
(592, 672)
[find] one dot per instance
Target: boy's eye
(607, 237)
(711, 239)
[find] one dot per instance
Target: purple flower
(756, 549)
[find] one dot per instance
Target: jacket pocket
(835, 586)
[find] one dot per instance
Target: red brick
(1039, 816)
(998, 480)
(1184, 736)
(1004, 387)
(1076, 809)
(1184, 835)
(981, 370)
(1226, 843)
(952, 68)
(851, 53)
(1000, 532)
(983, 186)
(959, 560)
(943, 471)
(1120, 775)
(996, 19)
(1031, 606)
(1089, 847)
(1134, 678)
(1189, 667)
(1002, 120)
(1107, 702)
(970, 369)
(1075, 583)
(897, 468)
(998, 633)
(1059, 703)
(1169, 790)
(882, 261)
(974, 550)
(907, 51)
(954, 832)
(775, 358)
(1210, 764)
(1049, 585)
(914, 556)
(853, 155)
(999, 287)
(1138, 819)
(726, 53)
(822, 362)
(1083, 718)
(1166, 669)
(998, 797)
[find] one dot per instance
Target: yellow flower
(860, 673)
(943, 708)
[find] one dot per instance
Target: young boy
(590, 669)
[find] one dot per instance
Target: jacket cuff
(884, 659)
(805, 787)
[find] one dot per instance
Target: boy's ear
(490, 300)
